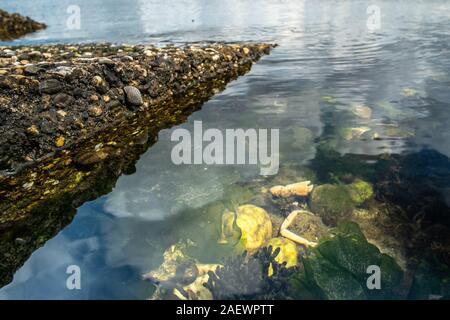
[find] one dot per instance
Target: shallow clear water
(326, 63)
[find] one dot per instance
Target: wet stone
(133, 96)
(32, 70)
(95, 111)
(50, 86)
(62, 100)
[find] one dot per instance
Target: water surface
(327, 62)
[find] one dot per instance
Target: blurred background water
(327, 63)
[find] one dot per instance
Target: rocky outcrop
(74, 118)
(14, 25)
(55, 96)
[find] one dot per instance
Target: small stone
(105, 61)
(28, 185)
(61, 100)
(32, 70)
(20, 241)
(95, 111)
(246, 50)
(91, 158)
(59, 142)
(133, 96)
(97, 81)
(61, 113)
(93, 98)
(50, 86)
(33, 130)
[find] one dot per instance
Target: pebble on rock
(59, 142)
(133, 95)
(50, 86)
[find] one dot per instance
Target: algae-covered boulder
(177, 267)
(324, 280)
(252, 222)
(349, 249)
(331, 202)
(338, 268)
(360, 191)
(309, 226)
(288, 251)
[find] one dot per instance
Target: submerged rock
(251, 224)
(353, 133)
(363, 112)
(338, 269)
(14, 25)
(308, 226)
(43, 209)
(331, 202)
(303, 138)
(360, 191)
(288, 252)
(180, 276)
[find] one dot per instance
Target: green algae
(337, 269)
(331, 202)
(360, 191)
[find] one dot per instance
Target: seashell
(301, 189)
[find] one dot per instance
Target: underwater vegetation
(251, 277)
(337, 269)
(353, 225)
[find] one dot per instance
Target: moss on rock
(360, 191)
(331, 202)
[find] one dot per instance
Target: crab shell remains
(301, 189)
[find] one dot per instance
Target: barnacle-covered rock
(308, 226)
(177, 267)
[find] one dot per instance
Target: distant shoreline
(13, 25)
